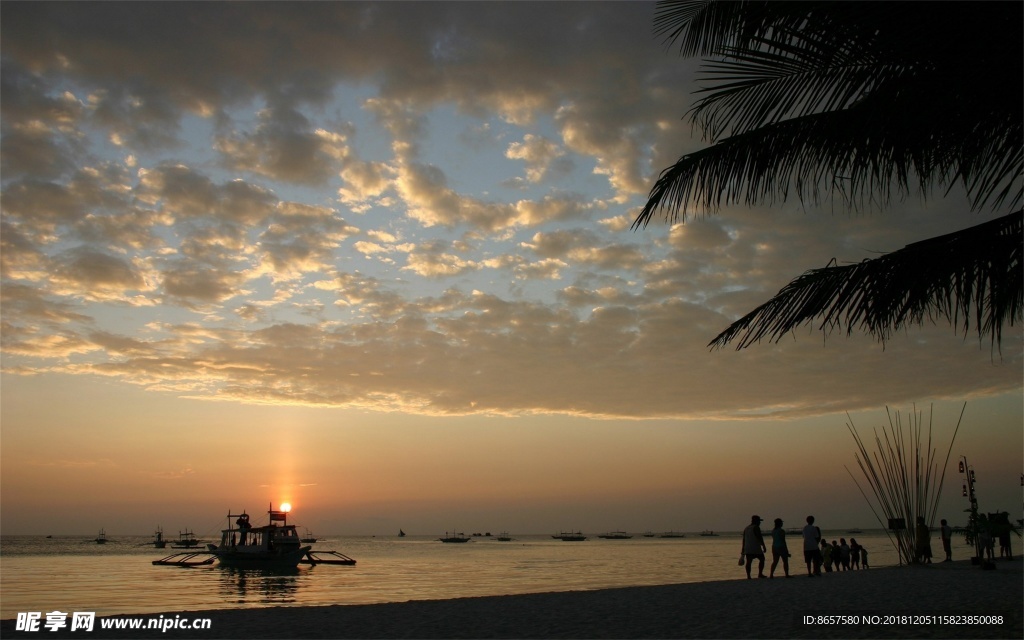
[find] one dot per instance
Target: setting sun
(286, 507)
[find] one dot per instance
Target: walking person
(812, 537)
(779, 549)
(844, 554)
(947, 540)
(753, 546)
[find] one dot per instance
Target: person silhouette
(947, 540)
(812, 556)
(922, 542)
(753, 546)
(780, 550)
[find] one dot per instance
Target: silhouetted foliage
(868, 101)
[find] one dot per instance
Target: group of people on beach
(839, 555)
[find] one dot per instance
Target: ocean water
(76, 574)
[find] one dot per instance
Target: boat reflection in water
(260, 586)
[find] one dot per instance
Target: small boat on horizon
(570, 536)
(401, 534)
(615, 535)
(309, 538)
(158, 538)
(101, 538)
(504, 537)
(186, 540)
(672, 534)
(648, 534)
(708, 533)
(454, 537)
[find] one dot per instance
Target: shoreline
(768, 608)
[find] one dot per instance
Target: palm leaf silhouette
(870, 102)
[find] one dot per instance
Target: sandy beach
(910, 602)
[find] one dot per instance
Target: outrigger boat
(101, 538)
(158, 538)
(615, 535)
(454, 537)
(186, 540)
(273, 546)
(308, 538)
(570, 536)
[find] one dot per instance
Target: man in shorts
(812, 556)
(753, 546)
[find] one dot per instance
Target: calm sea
(76, 574)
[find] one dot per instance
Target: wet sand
(902, 597)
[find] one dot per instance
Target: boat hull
(284, 559)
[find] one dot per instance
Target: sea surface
(76, 574)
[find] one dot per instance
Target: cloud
(184, 222)
(540, 155)
(93, 274)
(284, 146)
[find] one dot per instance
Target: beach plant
(903, 475)
(865, 103)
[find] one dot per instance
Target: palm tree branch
(974, 273)
(776, 80)
(867, 152)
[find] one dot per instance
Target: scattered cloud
(405, 207)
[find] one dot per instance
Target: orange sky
(143, 461)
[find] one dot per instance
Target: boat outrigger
(272, 546)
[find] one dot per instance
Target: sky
(376, 260)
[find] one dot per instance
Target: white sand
(768, 608)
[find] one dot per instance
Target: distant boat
(309, 538)
(101, 538)
(570, 536)
(454, 537)
(504, 537)
(707, 533)
(49, 536)
(401, 534)
(615, 535)
(672, 534)
(648, 534)
(186, 540)
(158, 539)
(854, 531)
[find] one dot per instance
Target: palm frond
(867, 149)
(903, 67)
(763, 86)
(970, 276)
(866, 100)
